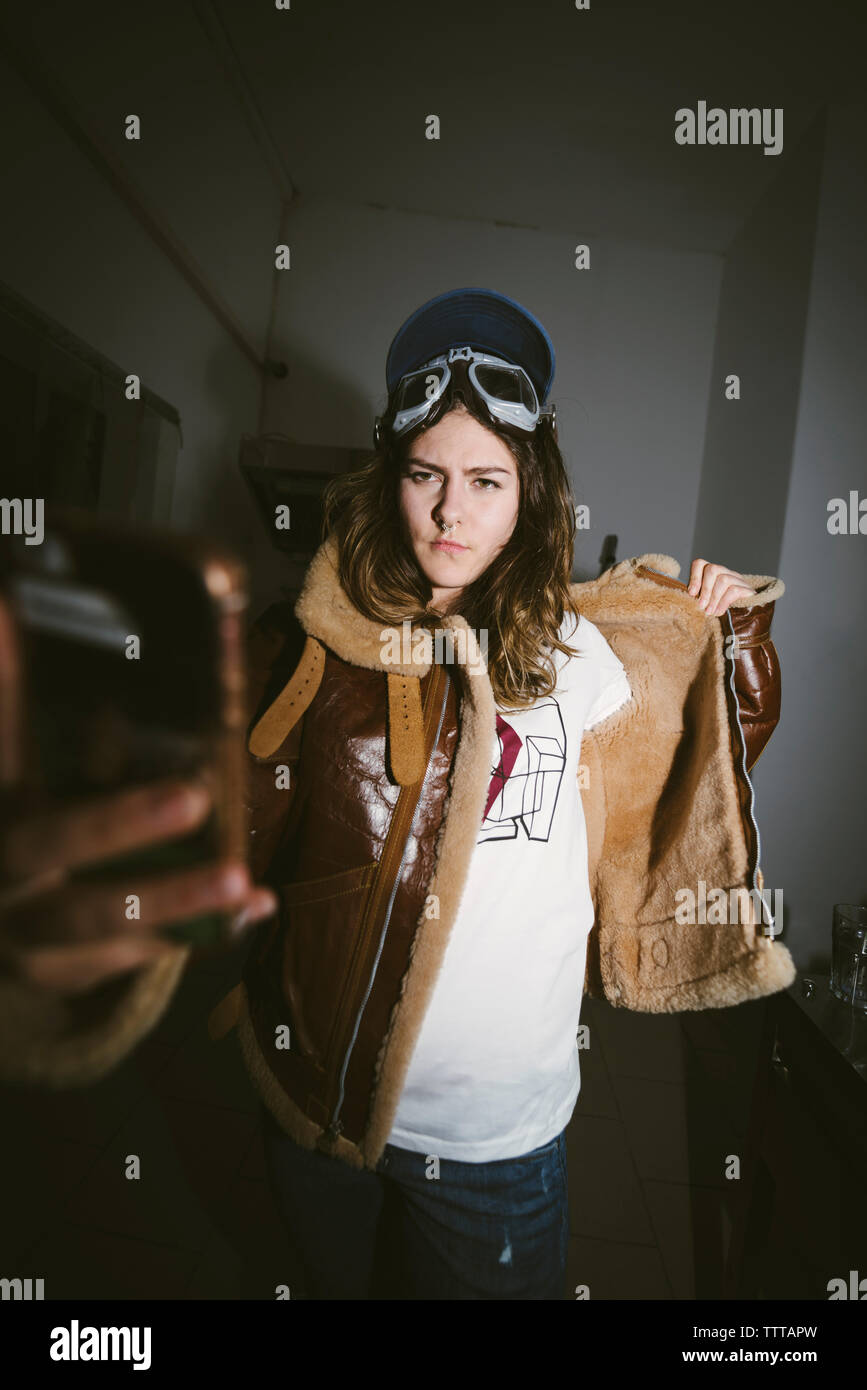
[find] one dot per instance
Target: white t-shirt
(495, 1072)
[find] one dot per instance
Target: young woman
(432, 860)
(429, 724)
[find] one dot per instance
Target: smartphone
(131, 640)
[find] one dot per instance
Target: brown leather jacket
(367, 786)
(387, 769)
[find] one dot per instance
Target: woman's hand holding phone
(67, 936)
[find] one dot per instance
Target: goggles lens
(420, 387)
(507, 384)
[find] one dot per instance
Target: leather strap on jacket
(405, 726)
(283, 713)
(745, 644)
(405, 729)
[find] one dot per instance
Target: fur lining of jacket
(661, 805)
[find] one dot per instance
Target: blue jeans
(478, 1230)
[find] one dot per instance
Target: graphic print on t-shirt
(525, 784)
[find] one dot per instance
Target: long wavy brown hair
(522, 597)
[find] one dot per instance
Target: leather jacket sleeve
(757, 676)
(756, 664)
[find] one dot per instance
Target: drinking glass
(849, 954)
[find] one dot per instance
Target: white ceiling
(551, 117)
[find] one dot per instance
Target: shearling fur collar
(326, 612)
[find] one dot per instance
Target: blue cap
(477, 318)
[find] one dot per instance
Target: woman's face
(457, 472)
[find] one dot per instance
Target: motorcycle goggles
(503, 389)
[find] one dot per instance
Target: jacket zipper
(335, 1126)
(400, 823)
(743, 770)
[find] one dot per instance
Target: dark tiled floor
(643, 1182)
(199, 1222)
